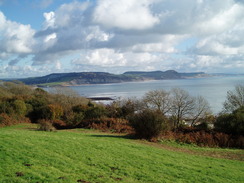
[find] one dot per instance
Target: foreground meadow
(28, 155)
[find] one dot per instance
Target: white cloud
(131, 34)
(214, 47)
(102, 57)
(223, 20)
(15, 38)
(154, 47)
(50, 37)
(49, 19)
(225, 63)
(228, 42)
(125, 14)
(164, 44)
(110, 58)
(71, 14)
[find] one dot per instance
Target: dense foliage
(148, 124)
(151, 117)
(231, 123)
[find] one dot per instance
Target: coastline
(69, 84)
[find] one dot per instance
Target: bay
(214, 89)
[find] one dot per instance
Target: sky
(39, 37)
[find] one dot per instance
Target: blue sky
(39, 37)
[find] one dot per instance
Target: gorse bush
(148, 124)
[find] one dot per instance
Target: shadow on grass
(115, 136)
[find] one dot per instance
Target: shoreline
(66, 84)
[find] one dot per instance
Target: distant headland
(82, 78)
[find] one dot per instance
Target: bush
(95, 112)
(48, 112)
(148, 124)
(8, 120)
(45, 125)
(6, 107)
(55, 111)
(20, 107)
(231, 123)
(80, 108)
(205, 138)
(73, 119)
(117, 125)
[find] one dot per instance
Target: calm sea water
(213, 89)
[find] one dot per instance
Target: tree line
(156, 113)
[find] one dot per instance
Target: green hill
(27, 156)
(80, 78)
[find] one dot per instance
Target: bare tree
(182, 105)
(201, 109)
(157, 99)
(235, 99)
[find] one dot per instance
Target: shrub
(95, 112)
(6, 107)
(113, 110)
(205, 138)
(20, 107)
(48, 112)
(79, 108)
(117, 125)
(73, 119)
(45, 125)
(148, 124)
(231, 123)
(8, 120)
(55, 111)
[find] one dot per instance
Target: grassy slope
(77, 155)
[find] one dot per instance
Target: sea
(213, 89)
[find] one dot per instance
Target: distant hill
(170, 74)
(79, 78)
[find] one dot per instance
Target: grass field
(27, 155)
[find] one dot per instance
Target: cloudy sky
(39, 37)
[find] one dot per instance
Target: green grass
(85, 155)
(237, 154)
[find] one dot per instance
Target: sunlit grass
(27, 155)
